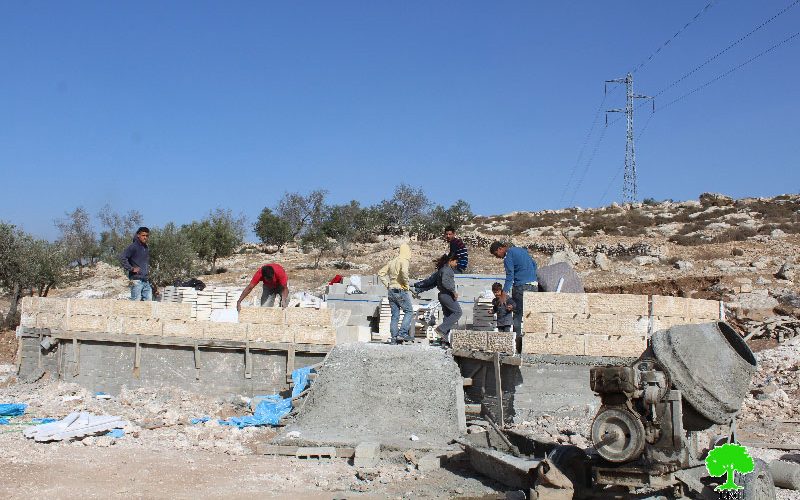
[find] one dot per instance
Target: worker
(520, 278)
(135, 259)
(275, 283)
(394, 276)
(444, 279)
(457, 249)
(503, 308)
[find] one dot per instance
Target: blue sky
(175, 108)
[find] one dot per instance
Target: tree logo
(728, 459)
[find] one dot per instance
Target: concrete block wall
(124, 317)
(594, 324)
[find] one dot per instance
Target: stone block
(262, 315)
(87, 323)
(349, 333)
(670, 306)
(133, 308)
(367, 454)
(305, 316)
(181, 328)
(115, 325)
(28, 319)
(91, 307)
(172, 310)
(623, 304)
(313, 334)
(615, 345)
(48, 305)
(552, 302)
(54, 321)
(269, 333)
(665, 322)
(565, 344)
(143, 326)
(703, 309)
(535, 322)
(468, 339)
(603, 324)
(501, 342)
(224, 331)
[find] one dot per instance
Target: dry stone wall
(259, 324)
(595, 324)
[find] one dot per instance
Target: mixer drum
(710, 364)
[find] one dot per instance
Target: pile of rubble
(775, 389)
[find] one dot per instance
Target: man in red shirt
(275, 282)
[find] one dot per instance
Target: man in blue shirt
(520, 277)
(136, 261)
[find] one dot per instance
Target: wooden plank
(472, 409)
(285, 450)
(498, 388)
(488, 356)
(76, 357)
(289, 363)
(466, 382)
(197, 362)
(137, 359)
(248, 362)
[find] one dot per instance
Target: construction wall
(595, 324)
(125, 317)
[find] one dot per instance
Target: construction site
(617, 393)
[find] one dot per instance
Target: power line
(663, 45)
(583, 147)
(622, 167)
(726, 49)
(588, 163)
(732, 70)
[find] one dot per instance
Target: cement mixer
(658, 415)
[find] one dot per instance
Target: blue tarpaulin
(16, 409)
(272, 408)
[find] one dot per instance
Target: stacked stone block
(172, 319)
(595, 324)
(478, 340)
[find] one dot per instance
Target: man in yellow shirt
(394, 276)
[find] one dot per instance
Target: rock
(722, 264)
(683, 265)
(367, 474)
(777, 234)
(786, 272)
(602, 261)
(761, 281)
(567, 256)
(715, 200)
(756, 305)
(737, 252)
(645, 260)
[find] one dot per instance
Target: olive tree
(78, 237)
(117, 232)
(272, 229)
(171, 255)
(217, 236)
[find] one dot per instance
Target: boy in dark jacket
(444, 280)
(503, 306)
(136, 261)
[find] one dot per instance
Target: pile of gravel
(384, 393)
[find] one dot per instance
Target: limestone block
(28, 319)
(225, 331)
(468, 339)
(172, 310)
(703, 309)
(615, 345)
(501, 342)
(91, 307)
(87, 323)
(182, 328)
(269, 333)
(552, 302)
(313, 334)
(53, 321)
(608, 324)
(535, 322)
(307, 316)
(143, 326)
(565, 344)
(626, 304)
(262, 315)
(49, 305)
(135, 308)
(116, 325)
(670, 306)
(665, 322)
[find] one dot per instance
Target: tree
(78, 237)
(432, 224)
(728, 459)
(118, 231)
(272, 230)
(315, 240)
(407, 204)
(216, 236)
(171, 255)
(342, 224)
(301, 212)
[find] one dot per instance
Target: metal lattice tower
(629, 186)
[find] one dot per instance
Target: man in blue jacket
(136, 261)
(520, 277)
